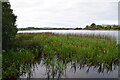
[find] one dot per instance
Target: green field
(58, 50)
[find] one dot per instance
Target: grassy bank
(58, 50)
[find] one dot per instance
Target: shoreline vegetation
(21, 52)
(93, 26)
(29, 48)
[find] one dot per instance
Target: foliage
(18, 60)
(93, 26)
(15, 62)
(9, 29)
(78, 29)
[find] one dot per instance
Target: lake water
(113, 34)
(43, 71)
(74, 69)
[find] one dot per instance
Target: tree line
(93, 26)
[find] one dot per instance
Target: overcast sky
(64, 13)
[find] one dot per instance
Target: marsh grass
(70, 46)
(58, 51)
(100, 49)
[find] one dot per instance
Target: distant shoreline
(64, 29)
(93, 26)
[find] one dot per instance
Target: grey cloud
(65, 13)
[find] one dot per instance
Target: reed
(100, 48)
(59, 50)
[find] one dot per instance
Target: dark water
(72, 69)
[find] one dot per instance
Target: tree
(108, 26)
(87, 27)
(99, 27)
(78, 28)
(9, 29)
(93, 26)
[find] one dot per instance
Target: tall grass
(102, 49)
(59, 50)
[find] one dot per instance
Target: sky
(64, 13)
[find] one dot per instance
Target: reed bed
(59, 50)
(66, 46)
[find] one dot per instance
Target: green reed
(58, 51)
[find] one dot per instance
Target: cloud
(67, 13)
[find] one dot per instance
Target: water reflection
(57, 67)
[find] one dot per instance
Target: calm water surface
(75, 70)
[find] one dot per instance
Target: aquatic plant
(57, 51)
